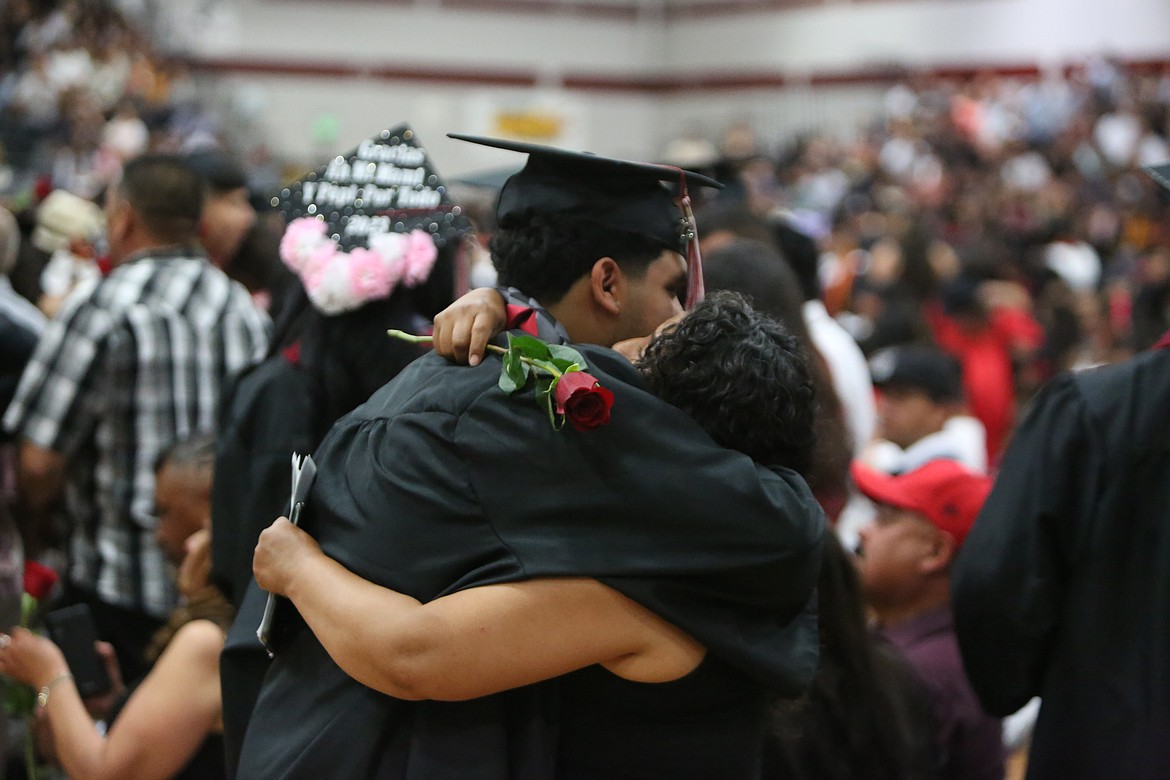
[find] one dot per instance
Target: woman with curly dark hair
(755, 270)
(741, 376)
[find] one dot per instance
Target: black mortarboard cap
(1160, 174)
(621, 194)
(928, 369)
(387, 184)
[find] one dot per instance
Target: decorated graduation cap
(367, 222)
(621, 194)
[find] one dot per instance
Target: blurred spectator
(125, 135)
(867, 714)
(68, 229)
(905, 562)
(755, 270)
(847, 366)
(921, 412)
(165, 724)
(120, 375)
(989, 341)
(228, 214)
(245, 247)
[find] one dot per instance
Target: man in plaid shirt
(127, 368)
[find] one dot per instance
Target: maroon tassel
(695, 287)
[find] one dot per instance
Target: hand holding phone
(72, 629)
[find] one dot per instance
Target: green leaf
(513, 373)
(564, 366)
(529, 347)
(568, 355)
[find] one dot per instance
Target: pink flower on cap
(300, 238)
(419, 258)
(369, 275)
(338, 281)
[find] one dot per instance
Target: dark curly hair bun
(741, 376)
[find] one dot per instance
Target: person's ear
(119, 220)
(607, 285)
(940, 554)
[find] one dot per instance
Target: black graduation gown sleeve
(1063, 586)
(268, 415)
(1010, 580)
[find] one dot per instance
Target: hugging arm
(463, 330)
(464, 645)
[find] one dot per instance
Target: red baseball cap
(945, 492)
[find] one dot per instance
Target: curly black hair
(741, 376)
(545, 255)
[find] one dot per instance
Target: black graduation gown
(441, 482)
(268, 414)
(1062, 589)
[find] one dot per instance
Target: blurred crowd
(992, 215)
(83, 89)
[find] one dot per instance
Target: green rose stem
(541, 364)
(30, 755)
(28, 607)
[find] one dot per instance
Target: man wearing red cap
(905, 564)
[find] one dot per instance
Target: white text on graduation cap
(327, 194)
(383, 174)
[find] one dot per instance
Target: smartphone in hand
(73, 630)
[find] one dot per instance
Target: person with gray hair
(68, 228)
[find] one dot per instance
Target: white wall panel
(841, 36)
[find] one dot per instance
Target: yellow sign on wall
(543, 126)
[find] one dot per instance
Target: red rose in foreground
(582, 400)
(38, 579)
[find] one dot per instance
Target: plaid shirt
(127, 368)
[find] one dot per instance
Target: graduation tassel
(695, 287)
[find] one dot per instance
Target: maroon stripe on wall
(615, 10)
(643, 84)
(343, 70)
(618, 9)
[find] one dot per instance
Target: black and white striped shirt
(127, 368)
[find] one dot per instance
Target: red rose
(38, 579)
(582, 400)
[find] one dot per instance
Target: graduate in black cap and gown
(329, 353)
(539, 602)
(1062, 588)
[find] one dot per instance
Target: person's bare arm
(474, 642)
(40, 481)
(174, 708)
(463, 330)
(40, 476)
